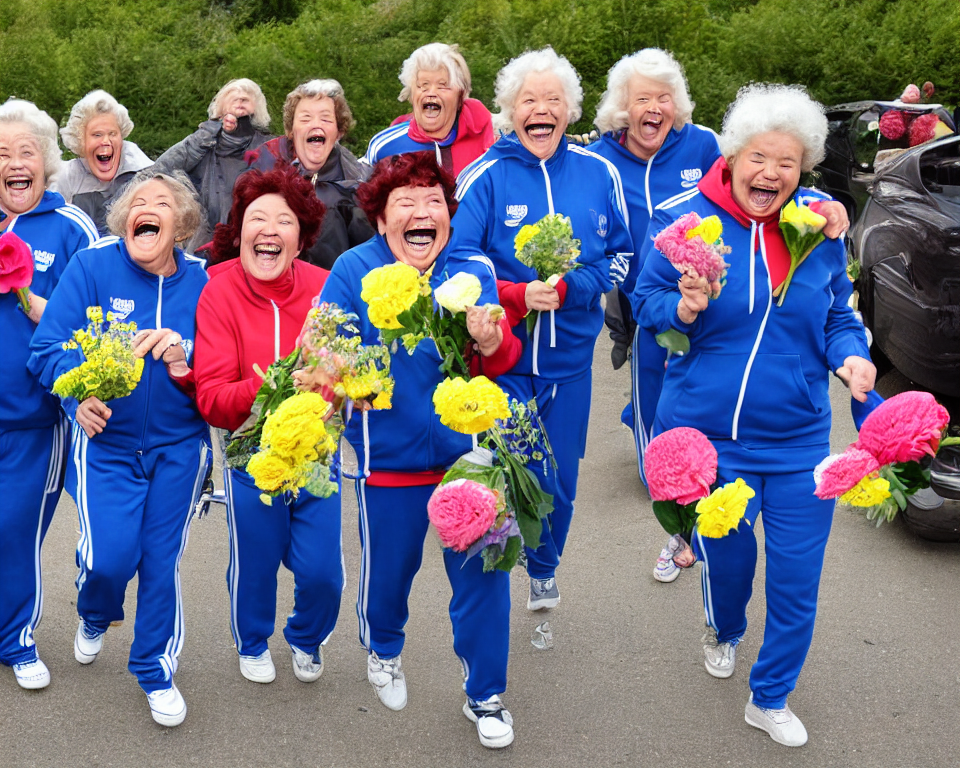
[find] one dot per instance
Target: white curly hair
(41, 126)
(93, 104)
(763, 107)
(654, 64)
(260, 119)
(511, 78)
(435, 56)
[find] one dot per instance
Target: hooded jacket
(509, 187)
(756, 372)
(54, 231)
(344, 224)
(472, 134)
(158, 412)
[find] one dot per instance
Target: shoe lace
(492, 707)
(390, 666)
(542, 586)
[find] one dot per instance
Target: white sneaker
(783, 726)
(32, 674)
(666, 570)
(387, 678)
(87, 644)
(494, 722)
(307, 666)
(167, 706)
(544, 593)
(258, 669)
(720, 659)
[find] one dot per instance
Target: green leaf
(668, 514)
(674, 342)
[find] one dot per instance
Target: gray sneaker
(387, 678)
(543, 594)
(720, 659)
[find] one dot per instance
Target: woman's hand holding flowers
(484, 330)
(37, 305)
(92, 415)
(695, 295)
(838, 222)
(541, 297)
(164, 344)
(860, 375)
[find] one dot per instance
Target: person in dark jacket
(316, 117)
(215, 154)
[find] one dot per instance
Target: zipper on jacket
(535, 362)
(276, 330)
(159, 323)
(646, 183)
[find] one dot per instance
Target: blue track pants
(646, 380)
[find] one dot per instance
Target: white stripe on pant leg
(85, 543)
(640, 431)
(705, 582)
(233, 568)
(363, 593)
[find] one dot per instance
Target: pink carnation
(893, 124)
(681, 465)
(462, 511)
(906, 427)
(910, 95)
(837, 474)
(928, 89)
(16, 263)
(691, 255)
(921, 129)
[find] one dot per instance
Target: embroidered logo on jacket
(121, 307)
(600, 219)
(515, 214)
(42, 260)
(689, 177)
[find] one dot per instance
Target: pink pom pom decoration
(906, 427)
(462, 511)
(910, 95)
(680, 465)
(928, 89)
(16, 263)
(837, 474)
(691, 255)
(893, 124)
(921, 129)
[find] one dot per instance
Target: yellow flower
(388, 291)
(270, 472)
(295, 429)
(364, 384)
(470, 407)
(709, 230)
(721, 511)
(459, 292)
(525, 235)
(95, 314)
(869, 492)
(384, 401)
(802, 218)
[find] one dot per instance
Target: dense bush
(164, 59)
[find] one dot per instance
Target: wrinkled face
(766, 172)
(541, 113)
(650, 115)
(236, 103)
(435, 102)
(416, 225)
(269, 237)
(314, 132)
(22, 182)
(151, 228)
(102, 142)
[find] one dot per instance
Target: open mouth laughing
(146, 232)
(420, 239)
(761, 197)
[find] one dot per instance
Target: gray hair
(42, 127)
(260, 119)
(315, 89)
(763, 107)
(511, 78)
(653, 64)
(186, 206)
(93, 104)
(435, 56)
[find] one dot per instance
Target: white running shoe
(494, 722)
(87, 644)
(167, 706)
(387, 678)
(783, 726)
(544, 593)
(306, 666)
(666, 570)
(258, 669)
(720, 659)
(32, 674)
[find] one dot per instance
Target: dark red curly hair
(283, 180)
(412, 169)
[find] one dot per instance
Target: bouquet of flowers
(681, 466)
(802, 228)
(402, 305)
(290, 440)
(550, 248)
(16, 268)
(109, 370)
(882, 468)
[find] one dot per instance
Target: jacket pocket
(777, 400)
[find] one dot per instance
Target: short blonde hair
(435, 56)
(187, 210)
(653, 64)
(260, 119)
(42, 127)
(763, 107)
(315, 89)
(93, 104)
(511, 78)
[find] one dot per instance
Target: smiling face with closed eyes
(766, 172)
(416, 225)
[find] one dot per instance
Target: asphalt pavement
(623, 685)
